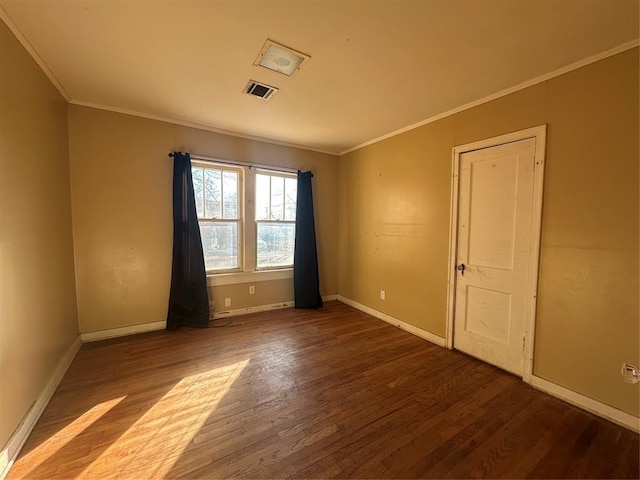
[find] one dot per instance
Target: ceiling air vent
(261, 90)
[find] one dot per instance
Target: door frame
(538, 133)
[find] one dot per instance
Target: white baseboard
(122, 332)
(264, 308)
(419, 332)
(598, 408)
(11, 450)
(256, 309)
(149, 327)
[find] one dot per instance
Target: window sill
(215, 280)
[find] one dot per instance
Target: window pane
(263, 192)
(230, 190)
(275, 244)
(277, 198)
(196, 175)
(220, 245)
(212, 193)
(290, 198)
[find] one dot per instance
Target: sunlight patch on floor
(159, 437)
(58, 440)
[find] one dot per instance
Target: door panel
(494, 229)
(492, 216)
(490, 315)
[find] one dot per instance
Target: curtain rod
(242, 164)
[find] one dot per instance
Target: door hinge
(523, 342)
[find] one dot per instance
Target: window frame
(247, 229)
(279, 174)
(240, 219)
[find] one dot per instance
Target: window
(223, 195)
(219, 205)
(275, 219)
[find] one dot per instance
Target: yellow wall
(38, 321)
(121, 197)
(267, 293)
(588, 319)
(394, 223)
(394, 206)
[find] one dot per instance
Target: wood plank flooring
(332, 393)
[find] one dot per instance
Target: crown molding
(32, 51)
(521, 86)
(199, 126)
(534, 81)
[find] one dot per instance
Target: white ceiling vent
(261, 90)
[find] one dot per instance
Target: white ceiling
(376, 66)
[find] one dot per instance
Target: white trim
(206, 161)
(507, 91)
(122, 331)
(32, 51)
(539, 134)
(594, 406)
(198, 126)
(149, 327)
(534, 250)
(539, 79)
(11, 450)
(453, 251)
(216, 280)
(264, 308)
(419, 332)
(533, 132)
(256, 309)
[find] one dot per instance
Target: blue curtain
(306, 281)
(188, 300)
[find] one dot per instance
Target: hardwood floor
(332, 393)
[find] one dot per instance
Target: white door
(494, 231)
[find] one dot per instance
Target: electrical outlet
(252, 289)
(382, 295)
(227, 302)
(630, 373)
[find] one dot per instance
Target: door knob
(461, 267)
